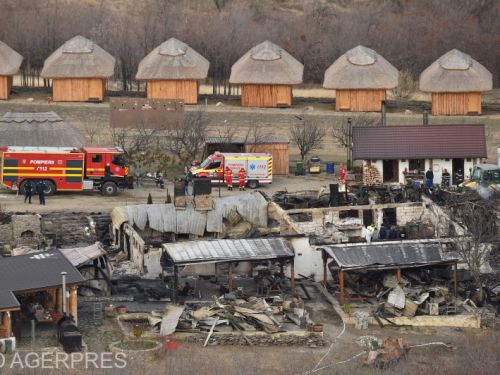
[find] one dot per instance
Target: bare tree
(342, 132)
(479, 218)
(254, 136)
(187, 140)
(307, 135)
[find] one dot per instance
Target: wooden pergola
(363, 257)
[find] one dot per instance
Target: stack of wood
(203, 202)
(371, 175)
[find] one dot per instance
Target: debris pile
(371, 175)
(416, 293)
(389, 353)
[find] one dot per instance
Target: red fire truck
(64, 168)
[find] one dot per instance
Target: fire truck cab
(64, 168)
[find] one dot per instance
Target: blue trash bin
(330, 168)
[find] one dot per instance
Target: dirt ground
(10, 201)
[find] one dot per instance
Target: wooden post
(52, 299)
(230, 276)
(176, 284)
(292, 276)
(59, 301)
(6, 323)
(455, 289)
(73, 303)
(341, 281)
(325, 275)
(216, 271)
(398, 275)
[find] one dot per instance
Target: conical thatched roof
(79, 57)
(361, 68)
(456, 71)
(267, 63)
(10, 60)
(173, 59)
(38, 129)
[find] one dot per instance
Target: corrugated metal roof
(8, 301)
(81, 255)
(419, 142)
(251, 206)
(227, 250)
(265, 139)
(36, 271)
(386, 255)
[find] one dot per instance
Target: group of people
(228, 178)
(39, 188)
(445, 178)
(386, 232)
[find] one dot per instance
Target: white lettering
(2, 360)
(17, 360)
(64, 359)
(122, 360)
(104, 360)
(93, 360)
(33, 364)
(46, 162)
(47, 360)
(76, 358)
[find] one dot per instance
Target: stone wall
(405, 215)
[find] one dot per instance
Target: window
(118, 160)
(214, 165)
(96, 158)
(350, 213)
(416, 164)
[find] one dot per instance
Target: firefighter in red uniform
(342, 173)
(242, 174)
(228, 177)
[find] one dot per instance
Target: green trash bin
(299, 169)
(8, 346)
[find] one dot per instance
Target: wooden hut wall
(78, 89)
(5, 87)
(279, 151)
(456, 103)
(186, 90)
(359, 100)
(266, 95)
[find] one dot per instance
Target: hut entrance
(457, 168)
(391, 171)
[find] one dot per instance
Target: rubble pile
(417, 293)
(371, 175)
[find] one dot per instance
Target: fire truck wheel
(253, 184)
(51, 187)
(109, 189)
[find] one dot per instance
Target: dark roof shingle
(419, 142)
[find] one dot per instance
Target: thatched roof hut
(172, 71)
(38, 129)
(456, 81)
(78, 69)
(266, 74)
(10, 61)
(360, 77)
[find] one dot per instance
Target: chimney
(383, 121)
(63, 274)
(425, 116)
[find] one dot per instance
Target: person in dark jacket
(28, 190)
(40, 190)
(429, 178)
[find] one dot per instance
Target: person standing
(40, 189)
(28, 190)
(242, 175)
(369, 233)
(228, 177)
(342, 174)
(429, 178)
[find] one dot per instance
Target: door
(457, 171)
(391, 171)
(95, 165)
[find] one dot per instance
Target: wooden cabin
(10, 61)
(456, 81)
(361, 78)
(266, 74)
(173, 70)
(78, 70)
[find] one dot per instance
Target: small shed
(10, 61)
(456, 81)
(173, 70)
(360, 78)
(266, 74)
(41, 129)
(78, 69)
(275, 145)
